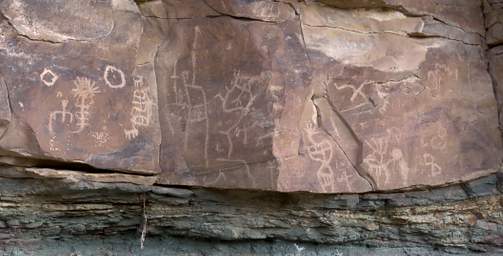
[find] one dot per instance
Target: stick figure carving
(63, 114)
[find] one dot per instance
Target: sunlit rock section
(78, 88)
(332, 97)
(417, 106)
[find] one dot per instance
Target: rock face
(106, 103)
(322, 96)
(75, 91)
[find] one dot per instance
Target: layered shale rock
(67, 216)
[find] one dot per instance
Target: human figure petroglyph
(48, 77)
(84, 93)
(429, 162)
(321, 151)
(193, 99)
(114, 77)
(63, 114)
(385, 159)
(438, 75)
(141, 110)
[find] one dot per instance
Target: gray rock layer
(59, 216)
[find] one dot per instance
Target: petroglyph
(439, 75)
(386, 159)
(239, 99)
(220, 178)
(101, 138)
(114, 77)
(242, 86)
(141, 110)
(194, 99)
(359, 100)
(437, 139)
(52, 144)
(239, 163)
(430, 163)
(63, 114)
(84, 93)
(321, 151)
(48, 77)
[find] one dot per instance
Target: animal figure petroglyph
(141, 110)
(429, 162)
(83, 92)
(359, 100)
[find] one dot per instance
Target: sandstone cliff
(204, 127)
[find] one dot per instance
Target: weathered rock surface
(257, 94)
(265, 95)
(105, 103)
(494, 23)
(76, 89)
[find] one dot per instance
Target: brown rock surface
(494, 21)
(76, 88)
(267, 95)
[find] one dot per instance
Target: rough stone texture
(494, 23)
(105, 103)
(273, 95)
(68, 66)
(63, 215)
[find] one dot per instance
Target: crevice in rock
(488, 65)
(355, 163)
(404, 34)
(380, 4)
(242, 18)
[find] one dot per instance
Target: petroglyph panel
(272, 95)
(80, 100)
(422, 115)
(219, 119)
